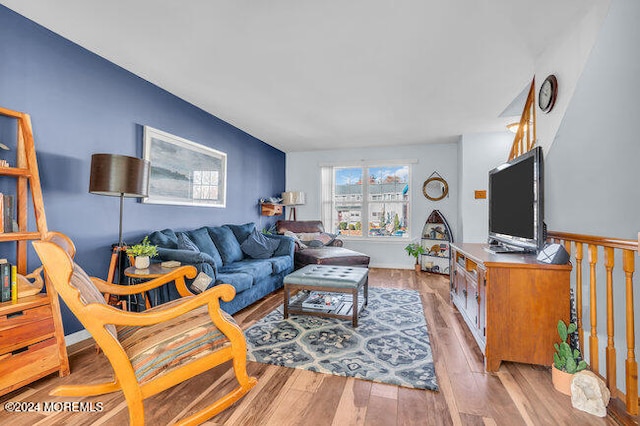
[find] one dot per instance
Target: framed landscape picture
(184, 172)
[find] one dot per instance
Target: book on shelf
(7, 216)
(5, 282)
(8, 213)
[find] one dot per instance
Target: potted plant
(142, 253)
(415, 250)
(566, 360)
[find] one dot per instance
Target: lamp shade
(119, 175)
(293, 198)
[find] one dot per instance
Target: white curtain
(326, 175)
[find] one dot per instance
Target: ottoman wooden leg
(354, 320)
(286, 301)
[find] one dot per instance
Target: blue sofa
(218, 252)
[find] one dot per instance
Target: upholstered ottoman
(339, 256)
(334, 279)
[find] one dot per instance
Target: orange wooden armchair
(153, 350)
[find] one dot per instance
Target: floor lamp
(291, 199)
(118, 176)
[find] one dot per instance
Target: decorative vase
(561, 380)
(418, 267)
(142, 262)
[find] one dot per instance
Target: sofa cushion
(239, 280)
(227, 244)
(202, 239)
(257, 268)
(242, 232)
(165, 238)
(258, 246)
(185, 243)
(281, 264)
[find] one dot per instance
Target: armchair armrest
(105, 314)
(178, 275)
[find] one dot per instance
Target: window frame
(329, 206)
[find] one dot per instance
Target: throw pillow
(242, 232)
(296, 240)
(316, 239)
(185, 243)
(226, 243)
(326, 238)
(259, 246)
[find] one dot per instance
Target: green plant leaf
(571, 366)
(565, 350)
(576, 354)
(562, 330)
(581, 366)
(572, 327)
(557, 362)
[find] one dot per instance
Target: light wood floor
(517, 394)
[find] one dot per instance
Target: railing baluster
(611, 349)
(579, 258)
(631, 365)
(629, 249)
(593, 309)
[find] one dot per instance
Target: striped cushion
(89, 293)
(157, 349)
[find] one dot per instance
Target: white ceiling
(308, 75)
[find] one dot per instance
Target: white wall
(479, 153)
(566, 58)
(303, 174)
(591, 171)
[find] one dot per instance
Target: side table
(155, 270)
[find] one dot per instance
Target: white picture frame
(184, 172)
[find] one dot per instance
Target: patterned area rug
(390, 344)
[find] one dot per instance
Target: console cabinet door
(460, 286)
(482, 301)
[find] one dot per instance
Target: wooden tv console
(510, 302)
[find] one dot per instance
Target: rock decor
(589, 393)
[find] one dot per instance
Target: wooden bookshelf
(31, 334)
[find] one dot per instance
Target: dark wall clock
(548, 93)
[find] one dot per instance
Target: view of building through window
(371, 201)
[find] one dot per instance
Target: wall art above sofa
(184, 172)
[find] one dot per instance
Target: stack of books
(8, 282)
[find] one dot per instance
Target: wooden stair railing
(525, 138)
(629, 250)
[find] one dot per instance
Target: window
(370, 201)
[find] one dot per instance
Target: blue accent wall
(81, 104)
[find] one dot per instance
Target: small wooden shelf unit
(31, 334)
(510, 302)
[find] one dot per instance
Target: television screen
(515, 202)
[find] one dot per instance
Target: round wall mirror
(435, 188)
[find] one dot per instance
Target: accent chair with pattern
(153, 350)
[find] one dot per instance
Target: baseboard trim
(389, 266)
(76, 337)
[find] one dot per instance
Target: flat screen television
(516, 204)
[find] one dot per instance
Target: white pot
(142, 262)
